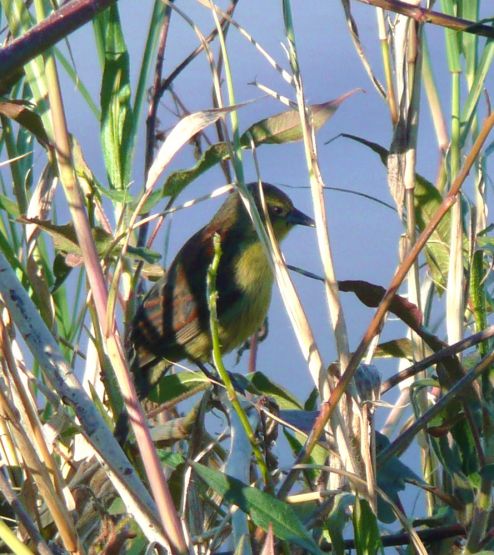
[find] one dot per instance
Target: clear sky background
(364, 234)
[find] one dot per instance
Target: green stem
(237, 148)
(212, 296)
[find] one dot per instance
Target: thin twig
(452, 394)
(166, 83)
(422, 15)
(153, 110)
(462, 345)
(48, 32)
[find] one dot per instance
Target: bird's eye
(278, 210)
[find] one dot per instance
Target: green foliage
(367, 539)
(283, 398)
(116, 111)
(337, 520)
(264, 509)
(177, 385)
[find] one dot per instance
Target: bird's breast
(252, 270)
(254, 279)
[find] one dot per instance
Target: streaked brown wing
(173, 320)
(174, 311)
(166, 321)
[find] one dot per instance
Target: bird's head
(282, 214)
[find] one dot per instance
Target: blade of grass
(169, 518)
(341, 425)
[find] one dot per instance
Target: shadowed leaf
(283, 397)
(25, 117)
(449, 370)
(338, 519)
(178, 180)
(397, 348)
(65, 241)
(371, 295)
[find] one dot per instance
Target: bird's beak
(296, 217)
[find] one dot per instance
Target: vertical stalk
(433, 99)
(454, 294)
(387, 66)
(414, 73)
(483, 505)
(350, 456)
(164, 502)
(483, 502)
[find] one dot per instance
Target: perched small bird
(172, 322)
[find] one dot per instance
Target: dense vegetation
(77, 248)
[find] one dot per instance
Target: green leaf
(100, 407)
(483, 68)
(312, 399)
(20, 21)
(282, 396)
(61, 271)
(65, 238)
(281, 128)
(114, 195)
(478, 297)
(263, 508)
(449, 455)
(148, 57)
(65, 241)
(396, 348)
(285, 127)
(178, 180)
(337, 520)
(143, 253)
(391, 478)
(9, 206)
(171, 458)
(302, 420)
(77, 83)
(317, 457)
(427, 200)
(116, 111)
(367, 538)
(174, 385)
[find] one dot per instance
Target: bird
(172, 321)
